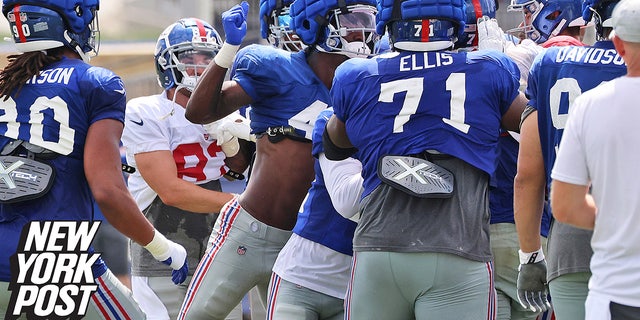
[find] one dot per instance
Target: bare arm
(159, 170)
(529, 186)
(213, 98)
(572, 204)
(102, 166)
(338, 132)
(511, 119)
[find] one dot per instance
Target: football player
(286, 91)
(557, 77)
(71, 124)
(178, 163)
(425, 126)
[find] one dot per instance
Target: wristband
(159, 246)
(224, 57)
(531, 257)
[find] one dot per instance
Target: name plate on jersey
(415, 176)
(23, 179)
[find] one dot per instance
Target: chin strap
(74, 44)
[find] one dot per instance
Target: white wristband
(159, 246)
(224, 57)
(531, 257)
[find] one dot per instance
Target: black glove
(532, 286)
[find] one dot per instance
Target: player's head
(475, 10)
(422, 25)
(39, 25)
(275, 25)
(336, 26)
(183, 51)
(600, 11)
(544, 19)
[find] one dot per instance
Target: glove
(234, 125)
(490, 35)
(532, 286)
(171, 254)
(234, 22)
(229, 144)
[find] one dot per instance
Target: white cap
(625, 19)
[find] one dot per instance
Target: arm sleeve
(343, 181)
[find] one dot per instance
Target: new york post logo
(51, 273)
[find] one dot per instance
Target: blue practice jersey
(54, 110)
(284, 89)
(406, 103)
(501, 191)
(557, 78)
(318, 221)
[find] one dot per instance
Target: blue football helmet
(422, 25)
(45, 24)
(275, 25)
(336, 26)
(544, 19)
(600, 11)
(475, 10)
(183, 51)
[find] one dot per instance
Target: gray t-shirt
(189, 229)
(398, 222)
(568, 250)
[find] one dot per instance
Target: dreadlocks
(22, 67)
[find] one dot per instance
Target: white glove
(171, 254)
(523, 55)
(224, 139)
(490, 35)
(236, 126)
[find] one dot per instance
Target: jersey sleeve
(318, 130)
(256, 71)
(106, 95)
(510, 83)
(338, 98)
(143, 130)
(532, 82)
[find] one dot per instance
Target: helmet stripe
(16, 14)
(424, 36)
(478, 10)
(201, 30)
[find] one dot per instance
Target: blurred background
(129, 29)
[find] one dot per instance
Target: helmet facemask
(529, 10)
(280, 33)
(351, 31)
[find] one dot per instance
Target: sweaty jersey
(54, 110)
(155, 123)
(559, 76)
(317, 220)
(284, 89)
(406, 103)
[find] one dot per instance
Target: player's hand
(178, 262)
(532, 286)
(234, 22)
(171, 254)
(236, 126)
(490, 35)
(229, 143)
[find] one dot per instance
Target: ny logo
(6, 171)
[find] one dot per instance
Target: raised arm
(213, 98)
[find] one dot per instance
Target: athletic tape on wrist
(159, 246)
(224, 57)
(531, 257)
